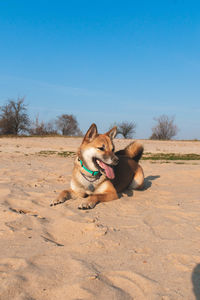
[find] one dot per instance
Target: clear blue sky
(104, 61)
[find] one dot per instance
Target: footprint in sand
(25, 220)
(183, 262)
(159, 226)
(4, 192)
(124, 285)
(12, 263)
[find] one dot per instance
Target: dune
(144, 245)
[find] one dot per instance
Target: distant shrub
(68, 125)
(165, 128)
(125, 128)
(14, 118)
(42, 128)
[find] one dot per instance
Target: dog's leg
(64, 196)
(138, 180)
(105, 192)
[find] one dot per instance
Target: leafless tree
(126, 129)
(51, 127)
(68, 125)
(41, 128)
(14, 118)
(165, 128)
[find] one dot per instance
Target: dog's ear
(91, 133)
(112, 132)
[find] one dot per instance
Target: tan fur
(99, 147)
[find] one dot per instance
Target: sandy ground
(145, 245)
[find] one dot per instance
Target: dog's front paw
(87, 205)
(64, 196)
(56, 202)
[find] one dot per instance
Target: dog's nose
(115, 160)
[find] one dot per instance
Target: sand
(145, 245)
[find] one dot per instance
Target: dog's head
(97, 151)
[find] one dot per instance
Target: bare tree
(165, 128)
(51, 127)
(14, 118)
(68, 125)
(126, 129)
(41, 128)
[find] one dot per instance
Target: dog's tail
(133, 150)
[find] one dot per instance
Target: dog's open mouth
(105, 168)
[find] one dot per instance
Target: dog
(100, 173)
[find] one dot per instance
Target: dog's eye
(102, 148)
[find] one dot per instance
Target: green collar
(94, 173)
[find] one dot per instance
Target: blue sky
(104, 61)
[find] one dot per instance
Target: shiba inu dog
(100, 173)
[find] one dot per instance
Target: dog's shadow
(127, 192)
(196, 281)
(148, 181)
(147, 184)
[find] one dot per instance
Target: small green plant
(53, 152)
(46, 152)
(170, 156)
(66, 153)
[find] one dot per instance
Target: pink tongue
(109, 171)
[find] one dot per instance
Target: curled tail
(133, 150)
